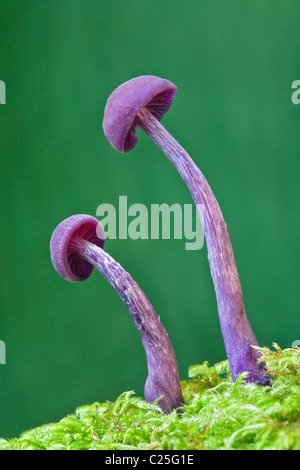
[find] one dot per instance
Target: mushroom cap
(119, 123)
(65, 259)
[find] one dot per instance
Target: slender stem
(237, 333)
(163, 379)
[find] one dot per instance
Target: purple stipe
(237, 333)
(75, 251)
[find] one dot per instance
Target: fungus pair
(77, 247)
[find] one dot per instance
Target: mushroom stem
(236, 330)
(75, 252)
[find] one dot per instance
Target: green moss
(218, 414)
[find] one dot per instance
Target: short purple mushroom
(141, 103)
(76, 249)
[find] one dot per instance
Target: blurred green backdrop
(72, 344)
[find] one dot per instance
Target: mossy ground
(218, 414)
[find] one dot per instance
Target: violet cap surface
(67, 263)
(147, 91)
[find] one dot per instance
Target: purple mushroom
(141, 103)
(76, 249)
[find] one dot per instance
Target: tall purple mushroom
(76, 249)
(141, 103)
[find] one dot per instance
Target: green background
(233, 64)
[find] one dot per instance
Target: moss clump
(218, 414)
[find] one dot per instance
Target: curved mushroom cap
(119, 124)
(65, 259)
